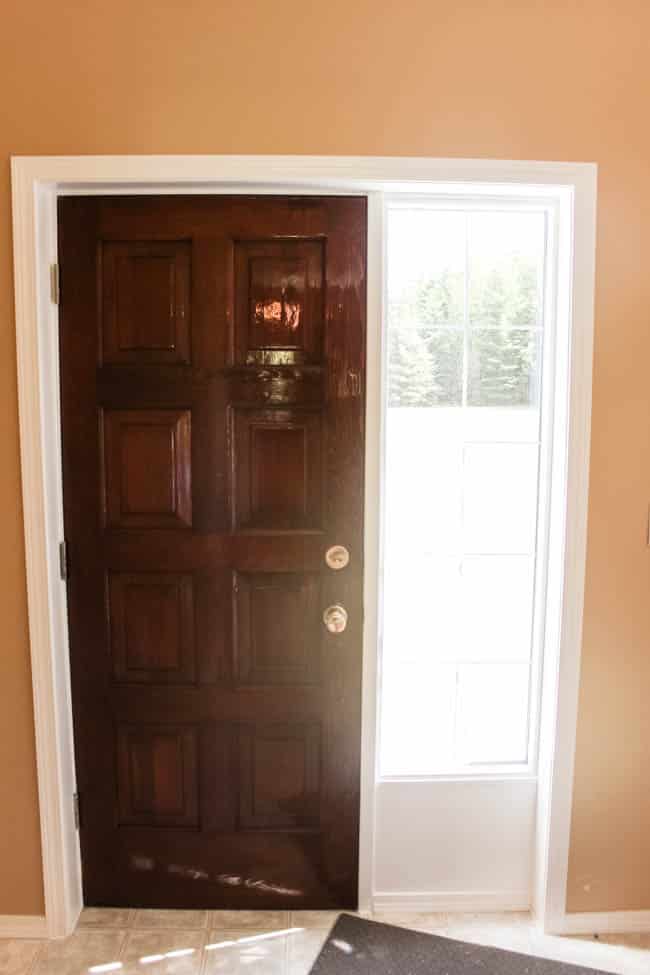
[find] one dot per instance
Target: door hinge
(55, 288)
(76, 811)
(64, 568)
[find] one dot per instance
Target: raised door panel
(277, 469)
(279, 301)
(158, 775)
(279, 776)
(277, 628)
(145, 302)
(147, 468)
(151, 621)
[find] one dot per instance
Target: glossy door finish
(212, 357)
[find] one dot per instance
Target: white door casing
(36, 184)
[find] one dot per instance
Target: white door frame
(36, 184)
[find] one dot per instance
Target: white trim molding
(37, 182)
(23, 926)
(450, 902)
(566, 582)
(602, 922)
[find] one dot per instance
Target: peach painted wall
(530, 80)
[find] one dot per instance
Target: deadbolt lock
(337, 557)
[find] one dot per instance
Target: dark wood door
(212, 376)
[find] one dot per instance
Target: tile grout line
(125, 941)
(203, 961)
(36, 958)
(204, 941)
(285, 956)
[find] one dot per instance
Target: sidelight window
(467, 424)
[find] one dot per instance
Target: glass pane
(425, 367)
(423, 606)
(426, 267)
(504, 367)
(493, 713)
(500, 498)
(474, 610)
(418, 711)
(499, 590)
(506, 253)
(481, 423)
(423, 486)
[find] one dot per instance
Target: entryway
(38, 185)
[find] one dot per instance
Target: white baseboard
(462, 901)
(22, 926)
(600, 922)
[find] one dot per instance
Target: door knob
(335, 618)
(337, 557)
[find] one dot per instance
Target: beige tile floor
(130, 942)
